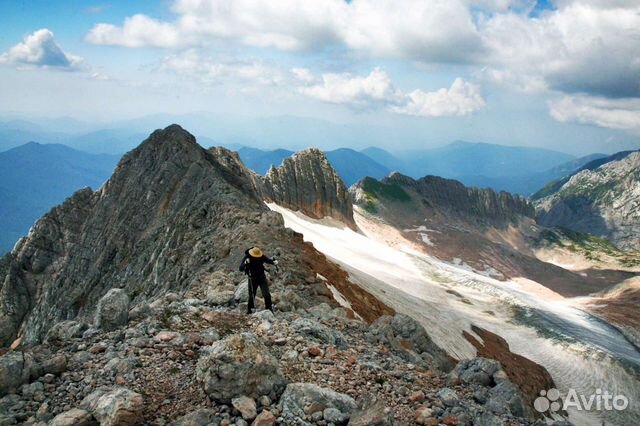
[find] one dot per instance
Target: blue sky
(561, 74)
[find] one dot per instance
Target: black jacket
(254, 266)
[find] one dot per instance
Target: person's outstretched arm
(268, 260)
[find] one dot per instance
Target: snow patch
(342, 301)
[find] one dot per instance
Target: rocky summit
(306, 182)
(124, 306)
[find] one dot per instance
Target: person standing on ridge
(253, 265)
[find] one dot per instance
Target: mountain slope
(603, 201)
(35, 177)
(171, 214)
(492, 233)
(554, 186)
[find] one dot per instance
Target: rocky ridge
(306, 182)
(170, 216)
(196, 359)
(603, 202)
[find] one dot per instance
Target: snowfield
(578, 350)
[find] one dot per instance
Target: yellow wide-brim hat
(255, 252)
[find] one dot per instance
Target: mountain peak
(307, 182)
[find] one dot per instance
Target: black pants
(264, 287)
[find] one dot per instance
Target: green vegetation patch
(390, 191)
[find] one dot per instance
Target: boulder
(218, 297)
(15, 370)
(246, 406)
(409, 339)
(320, 331)
(266, 418)
(57, 364)
(113, 310)
(201, 417)
(297, 396)
(239, 365)
(371, 412)
(64, 331)
(116, 407)
(242, 292)
(73, 417)
(506, 398)
(478, 371)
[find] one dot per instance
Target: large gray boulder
(239, 365)
(114, 407)
(320, 331)
(478, 371)
(64, 331)
(409, 340)
(300, 397)
(73, 417)
(200, 417)
(506, 398)
(15, 369)
(113, 310)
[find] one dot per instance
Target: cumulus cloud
(462, 98)
(367, 91)
(583, 47)
(623, 114)
(40, 50)
(433, 30)
(377, 90)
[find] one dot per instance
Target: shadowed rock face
(306, 182)
(603, 202)
(171, 212)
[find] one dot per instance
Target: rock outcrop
(604, 202)
(237, 366)
(306, 182)
(170, 215)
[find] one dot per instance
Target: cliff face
(447, 197)
(604, 202)
(171, 213)
(306, 182)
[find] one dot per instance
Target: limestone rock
(246, 406)
(477, 371)
(306, 182)
(65, 330)
(73, 417)
(407, 337)
(266, 418)
(117, 407)
(113, 310)
(201, 417)
(15, 369)
(239, 365)
(297, 396)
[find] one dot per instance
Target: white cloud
(40, 50)
(462, 98)
(433, 30)
(580, 48)
(208, 70)
(138, 31)
(623, 114)
(375, 88)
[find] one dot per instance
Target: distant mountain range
(519, 170)
(35, 177)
